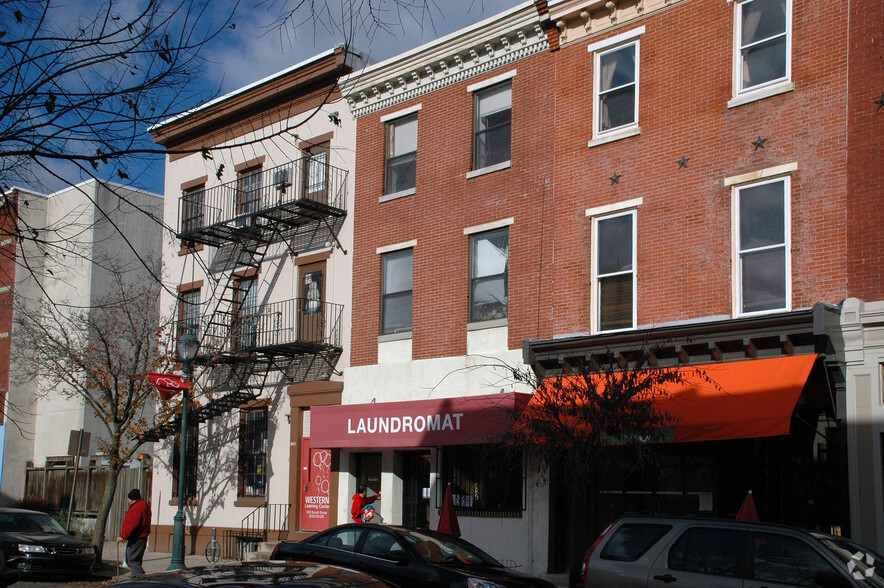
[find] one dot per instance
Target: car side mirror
(831, 579)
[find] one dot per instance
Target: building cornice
(272, 92)
(464, 54)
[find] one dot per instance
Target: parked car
(35, 544)
(281, 574)
(412, 558)
(641, 551)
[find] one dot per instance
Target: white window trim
(594, 297)
(736, 273)
(761, 94)
(489, 226)
(597, 49)
(768, 172)
(400, 113)
(610, 209)
(395, 195)
(397, 247)
(491, 81)
(767, 89)
(491, 168)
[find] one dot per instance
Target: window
(253, 452)
(489, 275)
(401, 155)
(780, 559)
(397, 292)
(484, 478)
(616, 80)
(245, 319)
(762, 246)
(316, 172)
(763, 43)
(707, 551)
(191, 463)
(614, 272)
(189, 313)
(249, 192)
(192, 201)
(632, 540)
(493, 125)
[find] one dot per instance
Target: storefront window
(485, 479)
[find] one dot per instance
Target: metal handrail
(276, 324)
(304, 181)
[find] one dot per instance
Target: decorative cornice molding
(465, 54)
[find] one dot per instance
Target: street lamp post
(187, 347)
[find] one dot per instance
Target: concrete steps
(262, 553)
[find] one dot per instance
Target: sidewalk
(154, 561)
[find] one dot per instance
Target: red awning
(753, 398)
(418, 423)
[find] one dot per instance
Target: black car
(280, 574)
(407, 557)
(33, 543)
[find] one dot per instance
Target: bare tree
(599, 415)
(99, 357)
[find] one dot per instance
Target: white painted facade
(275, 143)
(862, 326)
(40, 421)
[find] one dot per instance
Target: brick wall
(684, 253)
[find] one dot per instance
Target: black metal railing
(269, 522)
(302, 187)
(282, 326)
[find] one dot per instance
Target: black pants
(135, 549)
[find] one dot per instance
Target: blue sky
(255, 48)
(254, 44)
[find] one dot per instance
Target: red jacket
(359, 503)
(136, 523)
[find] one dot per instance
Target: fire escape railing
(296, 323)
(291, 194)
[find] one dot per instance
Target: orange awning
(753, 398)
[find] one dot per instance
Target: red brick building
(580, 179)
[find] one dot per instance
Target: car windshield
(443, 549)
(30, 522)
(862, 563)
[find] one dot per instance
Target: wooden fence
(49, 489)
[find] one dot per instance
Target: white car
(687, 552)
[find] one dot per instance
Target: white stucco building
(75, 239)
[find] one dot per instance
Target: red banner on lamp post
(168, 384)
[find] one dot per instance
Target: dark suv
(641, 551)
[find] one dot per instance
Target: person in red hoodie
(360, 501)
(135, 529)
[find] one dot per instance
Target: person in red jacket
(135, 529)
(360, 501)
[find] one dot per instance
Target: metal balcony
(291, 201)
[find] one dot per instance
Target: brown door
(311, 303)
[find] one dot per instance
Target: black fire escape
(301, 204)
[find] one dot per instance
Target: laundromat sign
(419, 423)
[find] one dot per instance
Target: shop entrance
(416, 488)
(368, 472)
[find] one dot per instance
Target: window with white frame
(401, 155)
(762, 232)
(616, 83)
(489, 275)
(493, 125)
(763, 43)
(397, 292)
(614, 271)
